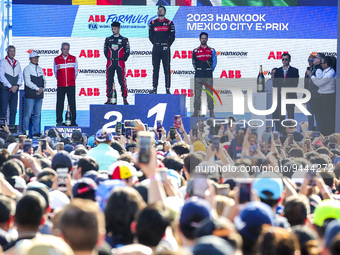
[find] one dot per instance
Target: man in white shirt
(326, 84)
(10, 80)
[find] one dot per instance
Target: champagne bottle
(260, 81)
(68, 117)
(114, 95)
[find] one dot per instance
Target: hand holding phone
(290, 138)
(43, 145)
(172, 133)
(178, 121)
(2, 122)
(216, 142)
(27, 147)
(144, 144)
(159, 126)
(62, 176)
(244, 187)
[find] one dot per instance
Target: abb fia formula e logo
(88, 92)
(89, 54)
(183, 54)
(136, 73)
(48, 72)
(276, 54)
(231, 74)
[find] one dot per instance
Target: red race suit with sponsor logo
(204, 60)
(161, 35)
(117, 51)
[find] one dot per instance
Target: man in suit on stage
(285, 76)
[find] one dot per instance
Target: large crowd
(93, 195)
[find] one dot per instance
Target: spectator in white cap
(34, 93)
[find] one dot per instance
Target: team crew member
(161, 35)
(117, 51)
(204, 61)
(66, 71)
(34, 93)
(285, 77)
(10, 80)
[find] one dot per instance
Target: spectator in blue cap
(193, 212)
(269, 187)
(212, 245)
(250, 222)
(103, 153)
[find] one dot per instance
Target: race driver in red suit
(161, 35)
(117, 51)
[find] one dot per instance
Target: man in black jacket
(285, 76)
(161, 35)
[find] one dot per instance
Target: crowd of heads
(244, 193)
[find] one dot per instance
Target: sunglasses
(285, 59)
(310, 60)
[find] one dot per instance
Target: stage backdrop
(244, 38)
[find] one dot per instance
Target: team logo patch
(114, 46)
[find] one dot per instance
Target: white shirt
(326, 82)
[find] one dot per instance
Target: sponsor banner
(235, 60)
(224, 22)
(185, 2)
(43, 20)
(254, 22)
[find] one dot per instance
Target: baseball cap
(93, 174)
(76, 135)
(332, 229)
(194, 211)
(58, 199)
(212, 245)
(45, 244)
(199, 146)
(104, 190)
(327, 209)
(103, 135)
(18, 183)
(62, 159)
(254, 215)
(268, 181)
(84, 188)
(122, 170)
(34, 54)
(336, 160)
(221, 227)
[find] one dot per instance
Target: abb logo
(136, 73)
(183, 54)
(186, 92)
(231, 74)
(97, 18)
(277, 56)
(48, 72)
(90, 54)
(90, 92)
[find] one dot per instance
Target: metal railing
(6, 25)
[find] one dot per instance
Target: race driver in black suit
(161, 35)
(117, 51)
